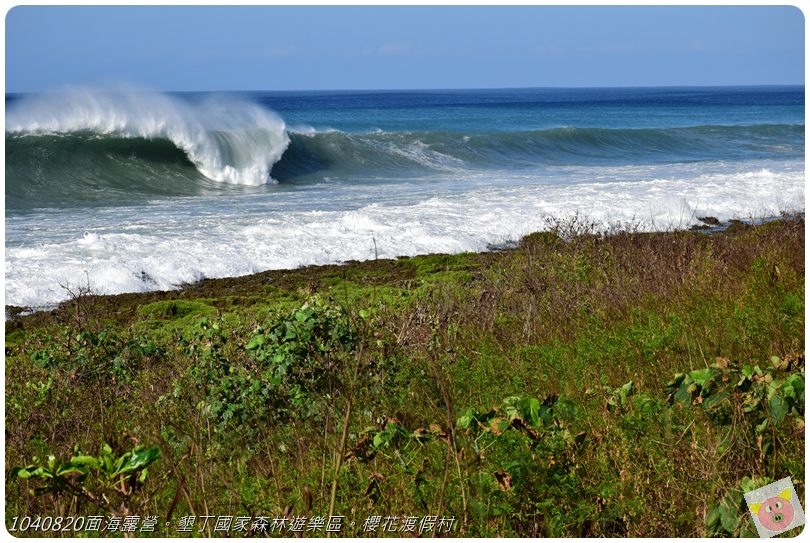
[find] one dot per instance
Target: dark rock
(14, 311)
(714, 221)
(736, 226)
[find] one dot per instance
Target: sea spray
(227, 138)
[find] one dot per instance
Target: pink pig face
(775, 514)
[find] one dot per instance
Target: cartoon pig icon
(776, 513)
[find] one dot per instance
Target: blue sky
(383, 47)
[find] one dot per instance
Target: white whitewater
(165, 244)
(228, 139)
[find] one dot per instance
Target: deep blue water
(535, 109)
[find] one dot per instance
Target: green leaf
(713, 521)
(466, 420)
(715, 399)
(70, 467)
(619, 396)
(22, 473)
(531, 411)
(28, 472)
(256, 342)
(777, 409)
(773, 388)
(139, 458)
(701, 377)
(794, 389)
(683, 394)
(728, 518)
(379, 439)
(511, 407)
(85, 460)
(363, 313)
(106, 459)
(119, 463)
(751, 402)
(779, 364)
(747, 485)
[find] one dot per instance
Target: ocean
(129, 190)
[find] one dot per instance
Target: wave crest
(228, 139)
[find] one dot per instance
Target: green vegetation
(581, 384)
(92, 479)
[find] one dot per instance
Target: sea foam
(228, 139)
(161, 246)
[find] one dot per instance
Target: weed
(591, 381)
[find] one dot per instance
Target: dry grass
(573, 313)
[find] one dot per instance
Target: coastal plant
(526, 447)
(234, 395)
(729, 516)
(290, 368)
(764, 395)
(82, 312)
(305, 352)
(107, 481)
(89, 356)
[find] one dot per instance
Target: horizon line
(419, 89)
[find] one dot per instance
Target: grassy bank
(581, 384)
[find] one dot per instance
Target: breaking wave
(83, 146)
(227, 139)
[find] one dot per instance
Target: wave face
(227, 139)
(340, 153)
(107, 158)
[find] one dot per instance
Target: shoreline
(253, 282)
